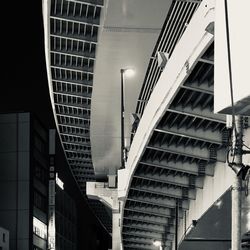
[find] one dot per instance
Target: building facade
(25, 190)
(66, 221)
(4, 239)
(24, 178)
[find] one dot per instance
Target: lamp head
(157, 243)
(240, 169)
(194, 223)
(129, 72)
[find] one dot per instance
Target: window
(40, 130)
(41, 173)
(39, 145)
(39, 228)
(4, 239)
(40, 201)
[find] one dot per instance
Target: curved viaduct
(175, 179)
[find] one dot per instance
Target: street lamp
(129, 73)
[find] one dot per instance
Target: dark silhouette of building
(24, 189)
(23, 180)
(66, 221)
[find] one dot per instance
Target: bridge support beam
(116, 230)
(108, 196)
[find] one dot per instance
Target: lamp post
(127, 72)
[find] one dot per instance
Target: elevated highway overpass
(176, 176)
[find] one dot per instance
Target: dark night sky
(24, 87)
(24, 80)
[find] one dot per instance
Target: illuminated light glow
(157, 243)
(218, 204)
(59, 182)
(129, 72)
(39, 228)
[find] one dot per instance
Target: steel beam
(195, 86)
(72, 106)
(67, 53)
(161, 202)
(145, 226)
(155, 210)
(73, 135)
(73, 94)
(77, 151)
(69, 124)
(168, 237)
(192, 152)
(142, 228)
(81, 166)
(196, 152)
(174, 192)
(73, 126)
(73, 19)
(77, 145)
(148, 219)
(84, 3)
(80, 159)
(142, 240)
(73, 82)
(63, 113)
(205, 114)
(181, 181)
(146, 234)
(144, 210)
(74, 69)
(208, 135)
(188, 168)
(138, 246)
(72, 116)
(73, 37)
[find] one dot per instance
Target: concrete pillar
(116, 230)
(109, 197)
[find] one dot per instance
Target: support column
(109, 197)
(116, 224)
(237, 189)
(116, 230)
